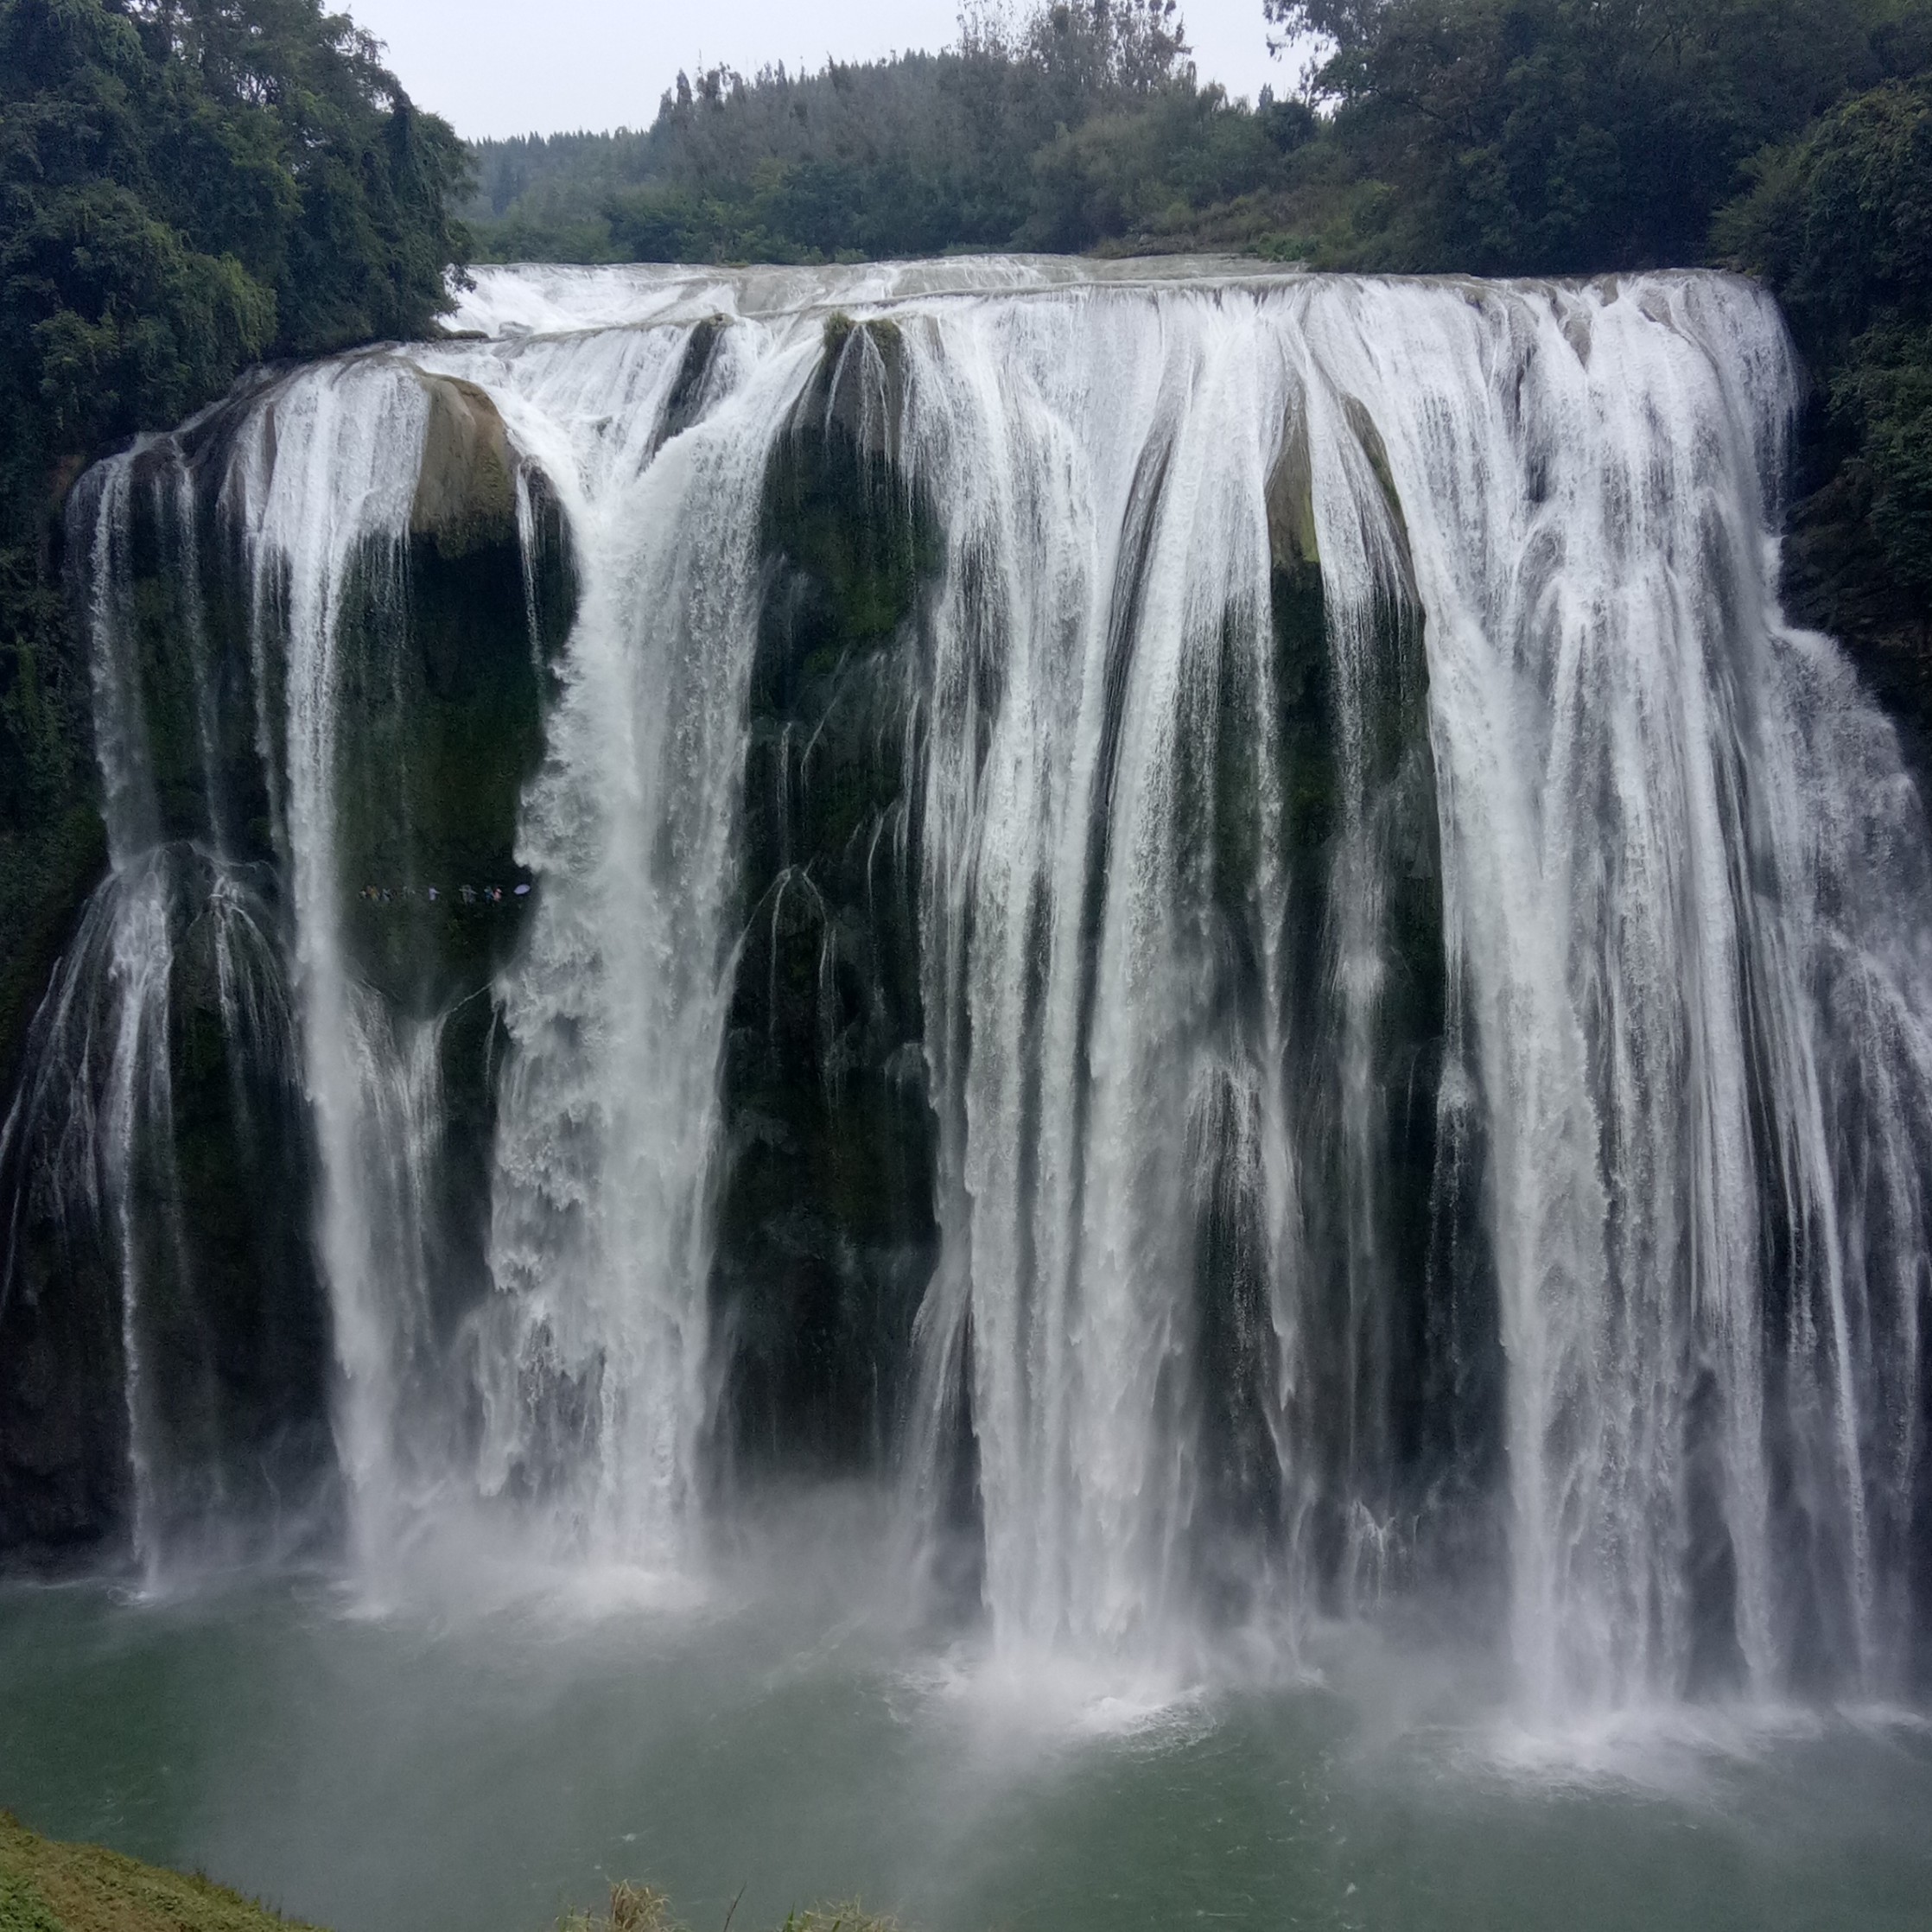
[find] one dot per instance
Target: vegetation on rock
(1840, 224)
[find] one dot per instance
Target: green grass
(46, 1886)
(50, 1887)
(639, 1908)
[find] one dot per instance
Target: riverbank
(46, 1886)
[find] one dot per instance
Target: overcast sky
(536, 67)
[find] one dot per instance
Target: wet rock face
(825, 1231)
(465, 496)
(825, 1236)
(63, 1423)
(216, 1374)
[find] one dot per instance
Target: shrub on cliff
(1839, 223)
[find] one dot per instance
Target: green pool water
(473, 1759)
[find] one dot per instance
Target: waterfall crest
(1212, 913)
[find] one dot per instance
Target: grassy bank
(46, 1886)
(50, 1887)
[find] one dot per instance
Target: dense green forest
(1075, 127)
(1499, 137)
(186, 187)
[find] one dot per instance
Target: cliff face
(223, 1373)
(170, 1016)
(826, 1234)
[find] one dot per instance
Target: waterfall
(174, 950)
(1223, 898)
(599, 1237)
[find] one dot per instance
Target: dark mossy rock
(53, 851)
(216, 1376)
(466, 492)
(442, 657)
(64, 1476)
(825, 1230)
(1387, 1333)
(445, 653)
(233, 1324)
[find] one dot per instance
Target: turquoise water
(479, 1758)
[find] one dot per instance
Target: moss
(46, 1886)
(1306, 721)
(837, 332)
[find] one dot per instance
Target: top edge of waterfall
(543, 298)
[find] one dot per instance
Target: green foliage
(1145, 171)
(185, 186)
(1078, 123)
(1518, 137)
(1528, 136)
(1884, 395)
(1840, 224)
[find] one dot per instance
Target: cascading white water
(1641, 875)
(93, 1124)
(320, 488)
(598, 1239)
